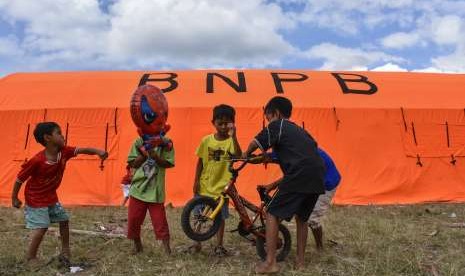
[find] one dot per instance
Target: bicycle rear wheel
(194, 219)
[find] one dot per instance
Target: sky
(379, 35)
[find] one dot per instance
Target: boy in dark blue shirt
(302, 183)
(332, 179)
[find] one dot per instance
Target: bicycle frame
(240, 203)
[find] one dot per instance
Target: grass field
(369, 240)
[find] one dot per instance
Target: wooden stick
(90, 233)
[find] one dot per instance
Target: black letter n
(240, 87)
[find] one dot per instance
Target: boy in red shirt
(43, 174)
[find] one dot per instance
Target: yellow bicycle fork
(215, 212)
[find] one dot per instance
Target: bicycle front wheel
(195, 221)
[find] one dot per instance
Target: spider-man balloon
(149, 112)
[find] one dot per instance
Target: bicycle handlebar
(234, 160)
(244, 162)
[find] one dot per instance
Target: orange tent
(396, 137)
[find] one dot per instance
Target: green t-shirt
(148, 182)
(215, 173)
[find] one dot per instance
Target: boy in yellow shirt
(212, 174)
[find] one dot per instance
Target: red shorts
(136, 215)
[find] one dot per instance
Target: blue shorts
(41, 217)
(224, 210)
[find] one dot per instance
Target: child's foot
(220, 251)
(266, 268)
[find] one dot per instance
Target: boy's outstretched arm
(91, 151)
(198, 173)
(15, 202)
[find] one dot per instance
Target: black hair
(281, 104)
(224, 111)
(45, 128)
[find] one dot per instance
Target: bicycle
(201, 216)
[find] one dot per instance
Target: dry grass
(396, 240)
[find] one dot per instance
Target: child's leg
(220, 234)
(319, 211)
(269, 265)
(58, 214)
(303, 213)
(64, 234)
(136, 216)
(37, 236)
(302, 232)
(160, 225)
(318, 235)
(37, 219)
(219, 250)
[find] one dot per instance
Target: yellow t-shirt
(215, 174)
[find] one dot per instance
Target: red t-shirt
(44, 177)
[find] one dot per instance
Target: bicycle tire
(190, 207)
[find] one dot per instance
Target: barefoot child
(147, 191)
(301, 184)
(212, 173)
(43, 174)
(332, 179)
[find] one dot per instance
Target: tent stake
(337, 118)
(403, 118)
(414, 134)
(66, 134)
(27, 135)
(419, 161)
(447, 135)
(106, 146)
(453, 161)
(116, 117)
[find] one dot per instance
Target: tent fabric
(396, 138)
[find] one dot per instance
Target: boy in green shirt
(147, 191)
(212, 174)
